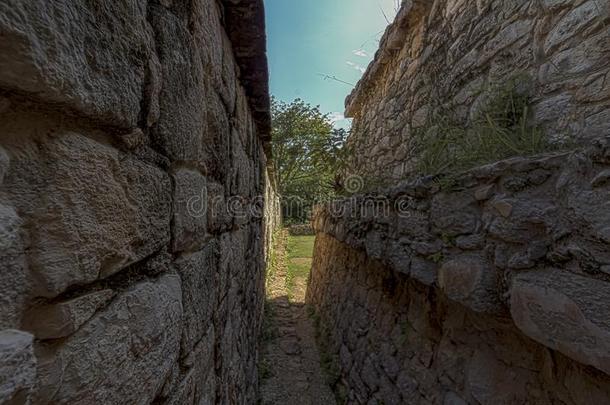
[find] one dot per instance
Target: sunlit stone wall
(447, 56)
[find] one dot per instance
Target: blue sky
(309, 38)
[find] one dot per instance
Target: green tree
(308, 153)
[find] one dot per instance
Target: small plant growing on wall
(501, 129)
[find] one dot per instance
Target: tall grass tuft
(501, 130)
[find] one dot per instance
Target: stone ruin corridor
(138, 202)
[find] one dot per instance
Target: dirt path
(291, 372)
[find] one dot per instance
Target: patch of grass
(436, 257)
(300, 246)
(265, 371)
(300, 253)
(448, 239)
(501, 130)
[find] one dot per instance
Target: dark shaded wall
(494, 292)
(133, 176)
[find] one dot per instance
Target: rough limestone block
(5, 104)
(554, 109)
(507, 37)
(484, 193)
(217, 156)
(471, 281)
(189, 227)
(601, 179)
(451, 398)
(179, 130)
(228, 85)
(598, 124)
(566, 312)
(60, 320)
(199, 293)
(121, 356)
(375, 245)
(241, 181)
(584, 57)
(207, 31)
(5, 162)
(199, 384)
(91, 210)
(490, 381)
(514, 220)
(593, 209)
(88, 56)
(13, 278)
(573, 22)
(399, 257)
(455, 214)
(219, 218)
(17, 367)
(424, 271)
(554, 4)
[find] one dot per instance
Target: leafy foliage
(308, 153)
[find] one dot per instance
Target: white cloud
(336, 116)
(339, 121)
(360, 52)
(356, 66)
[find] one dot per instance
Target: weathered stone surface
(189, 226)
(492, 382)
(573, 22)
(219, 218)
(505, 208)
(393, 336)
(370, 292)
(601, 179)
(560, 45)
(5, 161)
(120, 124)
(14, 281)
(180, 128)
(471, 281)
(199, 384)
(506, 37)
(123, 354)
(454, 214)
(48, 48)
(199, 294)
(17, 367)
(424, 271)
(484, 193)
(91, 210)
(566, 312)
(453, 399)
(59, 320)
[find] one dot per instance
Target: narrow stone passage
(290, 364)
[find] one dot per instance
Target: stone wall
(132, 169)
(496, 291)
(273, 211)
(446, 55)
